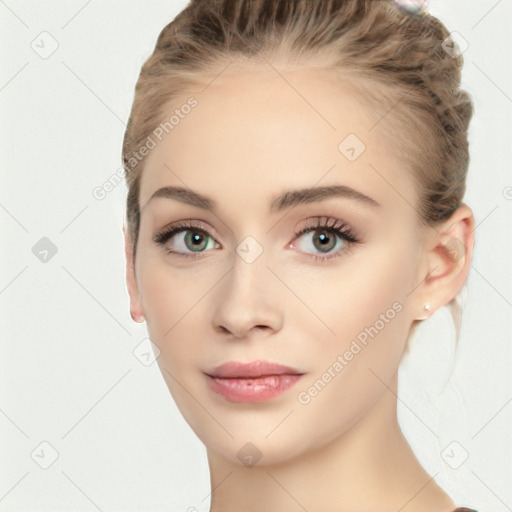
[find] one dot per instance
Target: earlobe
(449, 259)
(136, 311)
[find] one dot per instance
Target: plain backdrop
(85, 424)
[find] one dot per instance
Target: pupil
(195, 240)
(326, 239)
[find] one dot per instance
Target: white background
(68, 373)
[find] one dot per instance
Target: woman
(296, 171)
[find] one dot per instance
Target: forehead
(258, 131)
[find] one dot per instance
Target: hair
(396, 65)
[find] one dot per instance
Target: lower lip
(258, 389)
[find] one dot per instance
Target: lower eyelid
(313, 256)
(341, 231)
(346, 245)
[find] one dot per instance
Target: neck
(369, 467)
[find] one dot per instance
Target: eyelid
(329, 222)
(185, 224)
(332, 224)
(335, 227)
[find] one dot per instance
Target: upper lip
(258, 368)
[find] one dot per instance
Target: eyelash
(330, 225)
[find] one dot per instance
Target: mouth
(257, 381)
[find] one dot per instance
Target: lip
(257, 381)
(253, 369)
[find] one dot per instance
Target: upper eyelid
(185, 225)
(327, 222)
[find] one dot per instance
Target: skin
(251, 137)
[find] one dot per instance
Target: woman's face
(241, 285)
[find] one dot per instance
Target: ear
(447, 260)
(136, 310)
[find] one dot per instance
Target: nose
(248, 300)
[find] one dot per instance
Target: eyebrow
(284, 200)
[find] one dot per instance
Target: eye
(187, 238)
(330, 238)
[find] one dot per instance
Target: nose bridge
(250, 250)
(247, 300)
(248, 279)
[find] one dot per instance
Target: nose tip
(241, 331)
(245, 304)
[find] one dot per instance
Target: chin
(246, 451)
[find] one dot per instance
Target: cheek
(174, 300)
(364, 303)
(366, 287)
(348, 376)
(169, 292)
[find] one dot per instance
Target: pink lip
(257, 381)
(253, 369)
